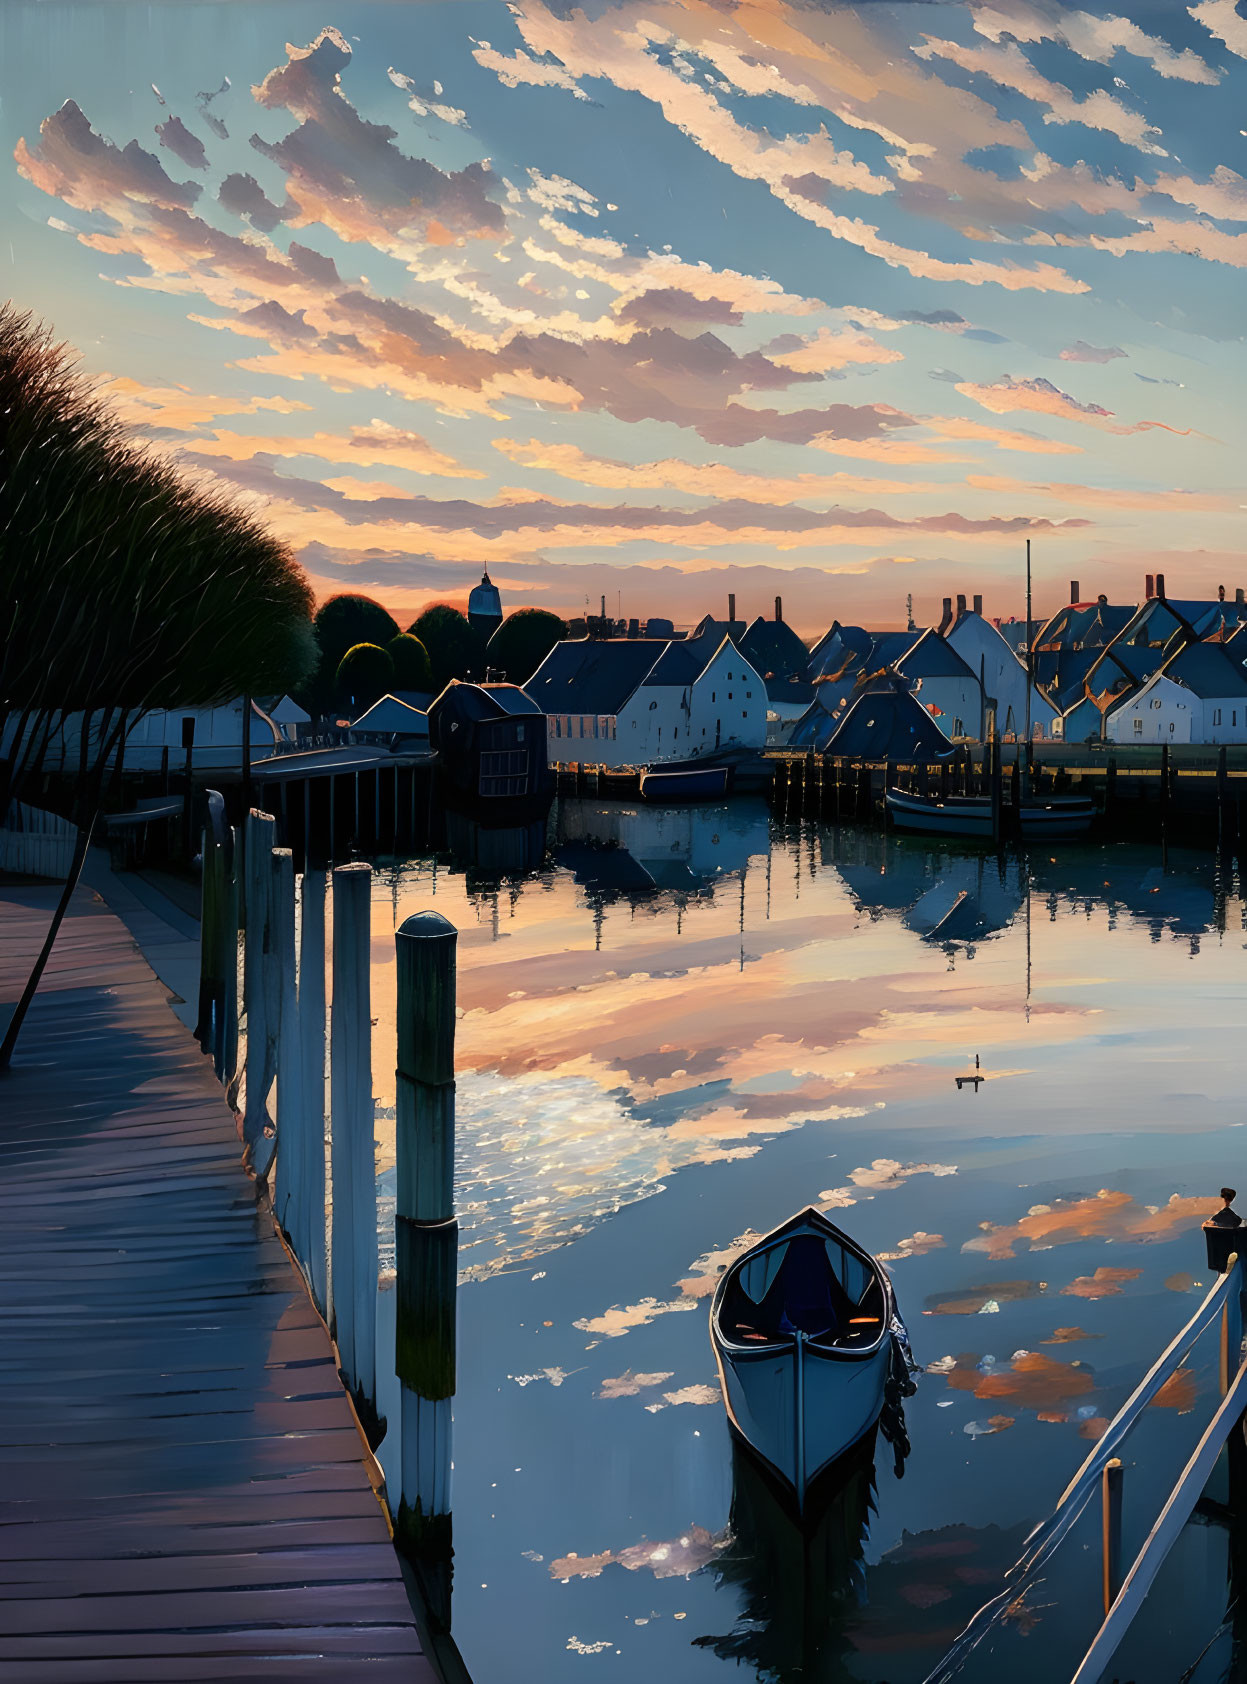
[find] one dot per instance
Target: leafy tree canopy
(341, 622)
(412, 670)
(454, 648)
(365, 673)
(523, 641)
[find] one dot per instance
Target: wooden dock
(184, 1493)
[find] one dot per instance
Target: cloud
(1009, 67)
(1222, 19)
(347, 172)
(1109, 1215)
(178, 138)
(204, 100)
(1043, 398)
(242, 195)
(1081, 352)
(379, 443)
(831, 349)
(428, 103)
(73, 163)
(178, 408)
(1097, 39)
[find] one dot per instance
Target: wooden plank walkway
(184, 1494)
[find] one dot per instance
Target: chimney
(1075, 595)
(1220, 593)
(1150, 587)
(947, 616)
(731, 606)
(978, 605)
(779, 608)
(603, 607)
(961, 605)
(1160, 586)
(1240, 595)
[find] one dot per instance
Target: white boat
(1042, 818)
(955, 815)
(807, 1339)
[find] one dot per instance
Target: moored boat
(1041, 818)
(809, 1346)
(686, 783)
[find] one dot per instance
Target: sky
(661, 299)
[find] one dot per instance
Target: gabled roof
(1084, 624)
(773, 649)
(390, 715)
(708, 626)
(461, 700)
(593, 674)
(1062, 673)
(683, 662)
(889, 648)
(931, 656)
(886, 722)
(841, 649)
(1207, 670)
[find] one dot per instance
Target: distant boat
(686, 783)
(1042, 818)
(807, 1338)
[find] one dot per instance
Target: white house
(217, 742)
(1198, 696)
(1002, 675)
(634, 701)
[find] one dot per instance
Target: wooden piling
(1110, 787)
(1231, 1327)
(426, 1234)
(1222, 786)
(353, 1247)
(291, 1143)
(311, 1192)
(1164, 804)
(997, 791)
(229, 1035)
(945, 780)
(261, 996)
(1110, 1530)
(213, 914)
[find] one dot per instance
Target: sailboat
(809, 1346)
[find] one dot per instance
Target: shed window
(1138, 726)
(1216, 716)
(1156, 702)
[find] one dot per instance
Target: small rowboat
(686, 783)
(809, 1347)
(1042, 818)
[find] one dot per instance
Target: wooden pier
(184, 1491)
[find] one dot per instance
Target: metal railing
(1122, 1605)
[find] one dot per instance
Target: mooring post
(261, 999)
(212, 920)
(1110, 787)
(1110, 1529)
(1231, 1325)
(1222, 786)
(353, 1245)
(229, 1026)
(997, 790)
(288, 1173)
(426, 1236)
(1164, 804)
(310, 1195)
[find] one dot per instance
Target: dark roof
(1062, 673)
(932, 656)
(1085, 623)
(841, 649)
(683, 662)
(1207, 670)
(790, 690)
(593, 674)
(772, 648)
(461, 700)
(886, 722)
(708, 626)
(887, 648)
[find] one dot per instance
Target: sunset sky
(662, 298)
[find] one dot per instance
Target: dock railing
(263, 1020)
(1101, 1471)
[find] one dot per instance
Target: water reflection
(680, 1028)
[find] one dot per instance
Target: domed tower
(485, 608)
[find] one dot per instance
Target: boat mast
(1030, 670)
(799, 1424)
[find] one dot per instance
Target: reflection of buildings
(941, 895)
(615, 849)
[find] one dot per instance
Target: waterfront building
(392, 720)
(217, 735)
(1002, 675)
(884, 720)
(490, 740)
(1199, 695)
(634, 701)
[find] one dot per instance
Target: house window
(713, 696)
(748, 695)
(745, 713)
(1216, 716)
(504, 772)
(1156, 703)
(675, 735)
(1171, 724)
(1138, 726)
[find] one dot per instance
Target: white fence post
(291, 1142)
(426, 1241)
(261, 997)
(353, 1248)
(310, 1195)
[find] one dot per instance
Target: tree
(454, 648)
(365, 673)
(123, 588)
(341, 622)
(523, 641)
(411, 663)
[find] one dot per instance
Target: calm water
(686, 1026)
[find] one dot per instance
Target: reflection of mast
(743, 875)
(769, 853)
(1027, 869)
